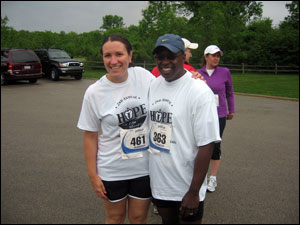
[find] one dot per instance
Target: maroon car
(20, 64)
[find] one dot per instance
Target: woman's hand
(230, 116)
(98, 187)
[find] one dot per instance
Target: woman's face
(188, 55)
(116, 61)
(212, 60)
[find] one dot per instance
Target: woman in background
(219, 80)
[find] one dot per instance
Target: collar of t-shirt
(210, 72)
(175, 82)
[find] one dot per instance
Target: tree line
(237, 27)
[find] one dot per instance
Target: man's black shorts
(176, 204)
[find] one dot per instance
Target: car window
(4, 54)
(43, 53)
(58, 55)
(3, 58)
(40, 53)
(24, 56)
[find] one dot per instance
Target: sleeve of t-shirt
(205, 119)
(144, 75)
(88, 119)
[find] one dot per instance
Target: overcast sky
(86, 16)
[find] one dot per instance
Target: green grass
(262, 84)
(92, 73)
(267, 84)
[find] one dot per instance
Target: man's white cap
(188, 44)
(212, 49)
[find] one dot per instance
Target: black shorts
(176, 204)
(138, 188)
(217, 150)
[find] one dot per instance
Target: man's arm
(190, 201)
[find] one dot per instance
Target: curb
(267, 96)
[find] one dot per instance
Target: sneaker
(212, 184)
(155, 211)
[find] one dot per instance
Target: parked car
(57, 62)
(20, 64)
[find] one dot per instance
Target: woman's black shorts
(217, 150)
(138, 188)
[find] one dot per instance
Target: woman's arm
(90, 151)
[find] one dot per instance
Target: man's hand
(189, 205)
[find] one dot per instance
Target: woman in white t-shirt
(115, 124)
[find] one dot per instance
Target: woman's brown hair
(120, 38)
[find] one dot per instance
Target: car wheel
(54, 74)
(78, 77)
(3, 79)
(32, 81)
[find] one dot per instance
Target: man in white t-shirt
(183, 128)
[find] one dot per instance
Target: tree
(258, 41)
(5, 33)
(111, 22)
(288, 37)
(158, 19)
(293, 18)
(221, 23)
(236, 26)
(4, 21)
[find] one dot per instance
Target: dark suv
(57, 62)
(20, 64)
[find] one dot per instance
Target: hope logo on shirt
(132, 117)
(161, 117)
(128, 114)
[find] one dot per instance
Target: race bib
(217, 100)
(134, 142)
(160, 136)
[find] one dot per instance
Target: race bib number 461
(134, 142)
(160, 135)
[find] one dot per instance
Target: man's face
(170, 65)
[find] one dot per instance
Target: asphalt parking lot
(44, 178)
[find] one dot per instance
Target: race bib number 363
(160, 135)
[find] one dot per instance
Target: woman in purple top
(219, 80)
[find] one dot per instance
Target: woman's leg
(115, 211)
(215, 165)
(138, 210)
(216, 157)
